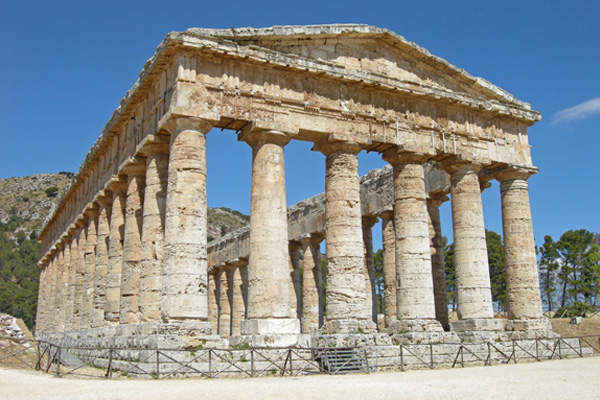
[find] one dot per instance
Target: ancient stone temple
(126, 253)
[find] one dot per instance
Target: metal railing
(254, 362)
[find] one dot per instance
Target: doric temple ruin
(126, 256)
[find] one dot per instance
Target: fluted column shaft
(155, 194)
(371, 293)
(269, 260)
(184, 288)
(64, 290)
(522, 281)
(41, 303)
(100, 273)
(312, 288)
(295, 286)
(437, 258)
(52, 302)
(85, 320)
(80, 274)
(346, 290)
(473, 290)
(388, 235)
(132, 245)
(70, 299)
(414, 291)
(238, 308)
(214, 287)
(224, 303)
(115, 254)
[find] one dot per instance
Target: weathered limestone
(473, 290)
(85, 320)
(312, 287)
(240, 298)
(64, 289)
(388, 235)
(522, 283)
(346, 290)
(295, 285)
(155, 193)
(268, 264)
(147, 268)
(132, 244)
(437, 258)
(101, 268)
(80, 273)
(115, 253)
(371, 294)
(414, 291)
(224, 303)
(184, 293)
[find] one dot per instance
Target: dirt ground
(588, 326)
(559, 379)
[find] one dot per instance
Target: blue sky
(65, 66)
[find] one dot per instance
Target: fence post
(110, 359)
(401, 359)
(39, 360)
(157, 364)
(430, 356)
(537, 351)
(210, 362)
(514, 352)
(58, 361)
(489, 358)
(252, 362)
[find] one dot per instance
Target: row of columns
(138, 254)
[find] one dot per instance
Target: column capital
(104, 200)
(368, 221)
(397, 156)
(311, 238)
(91, 211)
(135, 167)
(437, 199)
(295, 245)
(331, 147)
(116, 185)
(151, 148)
(179, 124)
(261, 136)
(453, 165)
(386, 214)
(514, 172)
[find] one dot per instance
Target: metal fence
(253, 362)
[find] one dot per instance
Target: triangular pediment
(375, 51)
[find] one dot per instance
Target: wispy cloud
(580, 111)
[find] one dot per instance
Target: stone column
(213, 300)
(64, 286)
(115, 253)
(269, 308)
(102, 240)
(238, 308)
(346, 291)
(224, 303)
(132, 244)
(473, 290)
(53, 298)
(41, 303)
(522, 282)
(85, 320)
(157, 164)
(80, 272)
(184, 294)
(371, 292)
(70, 299)
(388, 235)
(295, 286)
(437, 258)
(414, 292)
(312, 288)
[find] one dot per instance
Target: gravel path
(561, 379)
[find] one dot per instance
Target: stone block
(477, 324)
(270, 326)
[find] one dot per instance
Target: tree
(497, 266)
(378, 262)
(549, 267)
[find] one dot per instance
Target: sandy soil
(560, 379)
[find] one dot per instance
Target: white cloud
(580, 111)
